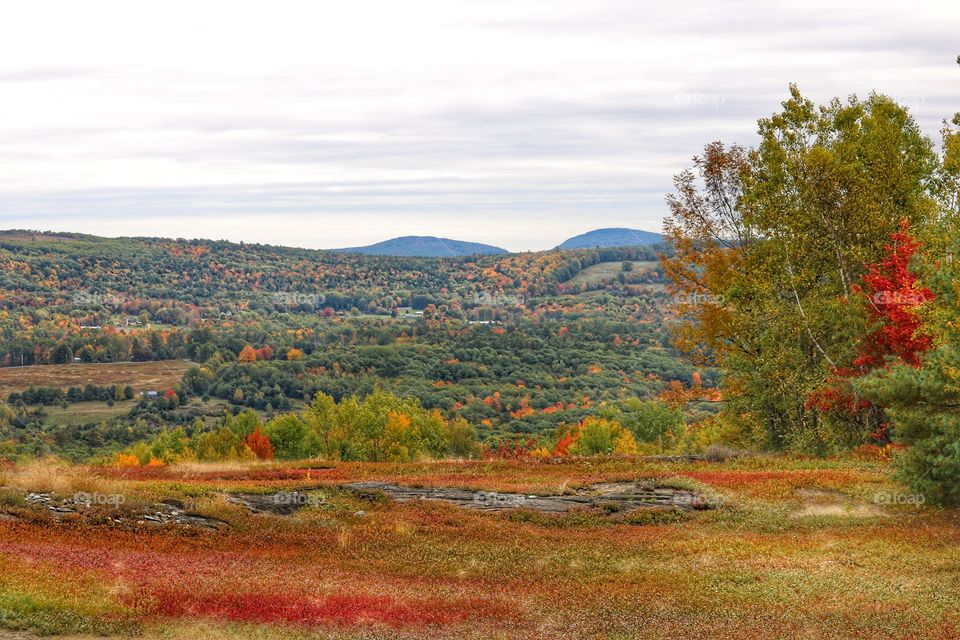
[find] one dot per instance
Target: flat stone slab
(626, 496)
(282, 503)
(160, 513)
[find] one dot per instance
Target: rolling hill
(611, 237)
(425, 247)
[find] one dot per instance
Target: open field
(788, 548)
(607, 271)
(86, 412)
(142, 376)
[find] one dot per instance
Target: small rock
(360, 514)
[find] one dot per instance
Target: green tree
(771, 243)
(218, 444)
(923, 402)
(597, 436)
(242, 424)
(288, 435)
(463, 439)
(650, 420)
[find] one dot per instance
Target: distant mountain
(425, 247)
(613, 237)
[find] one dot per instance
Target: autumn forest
(748, 429)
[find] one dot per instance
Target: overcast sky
(325, 124)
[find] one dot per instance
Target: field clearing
(142, 376)
(652, 288)
(794, 548)
(86, 412)
(606, 271)
(32, 237)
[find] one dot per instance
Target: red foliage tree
(259, 443)
(513, 450)
(562, 449)
(892, 294)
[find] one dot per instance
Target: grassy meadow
(142, 376)
(608, 271)
(806, 548)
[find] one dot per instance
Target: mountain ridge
(424, 247)
(611, 237)
(412, 246)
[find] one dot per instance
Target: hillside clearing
(607, 271)
(142, 376)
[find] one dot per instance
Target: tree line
(816, 271)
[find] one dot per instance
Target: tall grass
(50, 475)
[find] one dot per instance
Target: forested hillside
(516, 345)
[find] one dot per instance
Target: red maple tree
(892, 295)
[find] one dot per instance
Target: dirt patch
(836, 509)
(817, 502)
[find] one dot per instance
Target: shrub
(602, 436)
(652, 421)
(259, 444)
(219, 444)
(288, 434)
(463, 439)
(720, 453)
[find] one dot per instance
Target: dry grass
(65, 483)
(142, 376)
(229, 466)
(746, 569)
(49, 475)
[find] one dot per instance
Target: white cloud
(321, 124)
